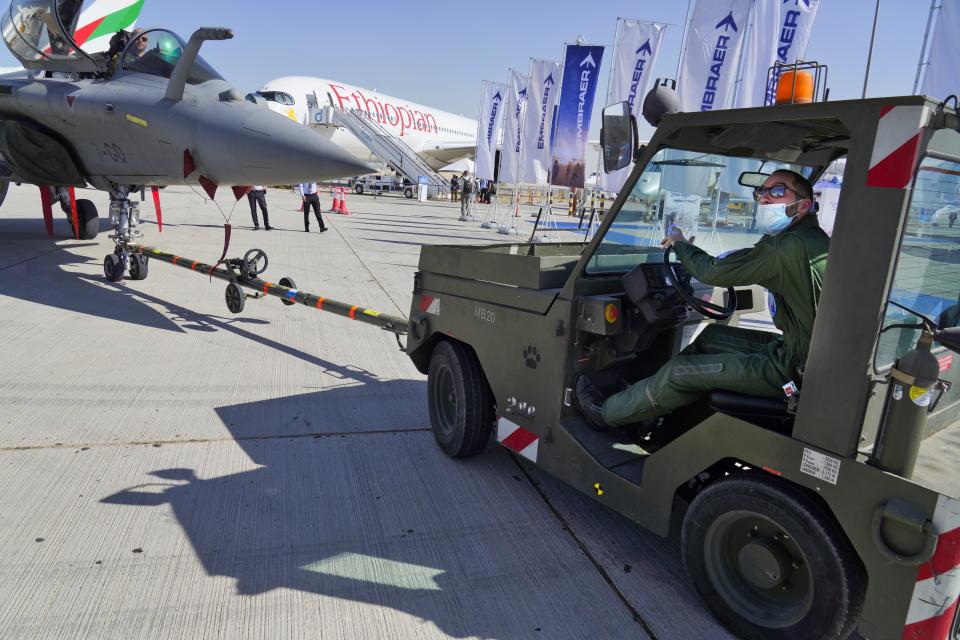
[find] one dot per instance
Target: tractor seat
(769, 413)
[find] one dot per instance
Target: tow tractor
(802, 517)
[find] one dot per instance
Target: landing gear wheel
(139, 266)
(770, 563)
(289, 284)
(358, 189)
(254, 263)
(461, 404)
(113, 268)
(235, 297)
(87, 219)
(408, 193)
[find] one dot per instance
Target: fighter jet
(146, 114)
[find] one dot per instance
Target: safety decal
(920, 396)
(897, 391)
(819, 465)
(517, 439)
(431, 305)
(934, 601)
(897, 145)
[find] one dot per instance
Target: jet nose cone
(270, 149)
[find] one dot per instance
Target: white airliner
(439, 136)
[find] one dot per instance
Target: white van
(381, 183)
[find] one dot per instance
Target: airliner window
(157, 52)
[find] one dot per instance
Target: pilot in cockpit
(790, 261)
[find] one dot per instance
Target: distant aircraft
(439, 136)
(155, 115)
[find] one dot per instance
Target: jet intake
(37, 156)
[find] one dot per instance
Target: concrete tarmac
(170, 470)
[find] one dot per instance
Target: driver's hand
(673, 237)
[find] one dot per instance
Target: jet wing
(440, 154)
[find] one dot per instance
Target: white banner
(543, 87)
(513, 128)
(634, 58)
(488, 129)
(709, 64)
(941, 78)
(780, 33)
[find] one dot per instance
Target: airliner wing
(440, 154)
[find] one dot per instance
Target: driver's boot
(589, 401)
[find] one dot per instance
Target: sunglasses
(774, 191)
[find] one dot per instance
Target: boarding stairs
(390, 149)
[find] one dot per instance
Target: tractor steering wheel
(708, 309)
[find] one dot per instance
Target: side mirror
(618, 137)
(753, 179)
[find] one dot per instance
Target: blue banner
(581, 70)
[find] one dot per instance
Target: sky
(437, 53)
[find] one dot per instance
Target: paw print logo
(531, 356)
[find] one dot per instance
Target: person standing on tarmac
(466, 193)
(454, 187)
(258, 196)
(308, 191)
(790, 260)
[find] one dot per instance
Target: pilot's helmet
(169, 48)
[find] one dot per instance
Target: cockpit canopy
(157, 51)
(39, 34)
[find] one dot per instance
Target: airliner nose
(270, 149)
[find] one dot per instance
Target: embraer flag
(634, 58)
(542, 89)
(941, 78)
(780, 34)
(488, 130)
(709, 63)
(513, 128)
(581, 71)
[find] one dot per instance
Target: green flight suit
(791, 265)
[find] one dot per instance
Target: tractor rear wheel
(770, 563)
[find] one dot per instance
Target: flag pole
(923, 48)
(683, 43)
(873, 34)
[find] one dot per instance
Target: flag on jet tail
(513, 128)
(542, 85)
(941, 78)
(581, 73)
(634, 58)
(709, 63)
(780, 33)
(488, 130)
(102, 19)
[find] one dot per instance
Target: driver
(790, 261)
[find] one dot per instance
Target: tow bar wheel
(461, 404)
(235, 297)
(769, 563)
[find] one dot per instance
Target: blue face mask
(773, 218)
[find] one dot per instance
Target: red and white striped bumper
(518, 439)
(934, 602)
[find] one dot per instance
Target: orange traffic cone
(336, 201)
(343, 203)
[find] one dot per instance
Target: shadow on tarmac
(347, 517)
